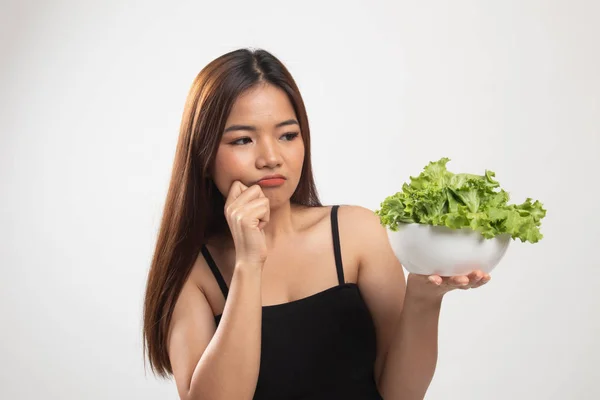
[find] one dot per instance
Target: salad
(440, 197)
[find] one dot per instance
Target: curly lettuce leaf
(440, 197)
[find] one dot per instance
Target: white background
(91, 96)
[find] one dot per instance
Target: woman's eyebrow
(253, 128)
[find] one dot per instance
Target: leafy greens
(440, 197)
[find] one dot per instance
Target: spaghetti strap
(213, 267)
(336, 244)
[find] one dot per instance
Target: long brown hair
(194, 207)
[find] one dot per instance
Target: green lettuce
(440, 197)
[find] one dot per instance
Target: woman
(256, 290)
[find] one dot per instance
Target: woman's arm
(406, 326)
(412, 356)
(218, 363)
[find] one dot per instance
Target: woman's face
(261, 138)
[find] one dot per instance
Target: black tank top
(318, 347)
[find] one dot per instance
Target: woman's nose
(268, 155)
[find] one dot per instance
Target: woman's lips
(271, 182)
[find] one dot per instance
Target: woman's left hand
(434, 286)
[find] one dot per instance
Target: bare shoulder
(358, 225)
(361, 215)
(361, 235)
(361, 226)
(351, 215)
(362, 231)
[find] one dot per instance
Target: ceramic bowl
(427, 249)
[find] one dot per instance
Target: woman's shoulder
(356, 223)
(349, 210)
(354, 216)
(359, 223)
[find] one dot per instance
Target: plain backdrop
(91, 96)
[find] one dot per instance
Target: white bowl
(427, 249)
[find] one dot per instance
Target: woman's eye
(241, 141)
(290, 136)
(245, 140)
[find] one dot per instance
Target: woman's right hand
(247, 211)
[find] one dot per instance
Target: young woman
(256, 290)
